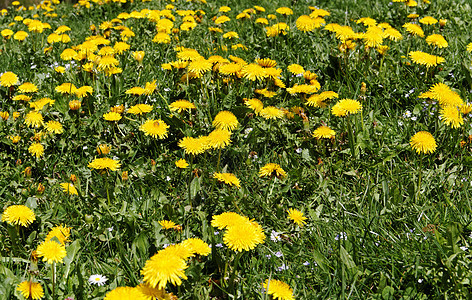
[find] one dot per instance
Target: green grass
(383, 222)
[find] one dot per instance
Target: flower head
(31, 290)
(193, 145)
(18, 215)
(54, 127)
(69, 188)
(227, 178)
(228, 219)
(105, 163)
(272, 169)
(139, 109)
(61, 233)
(125, 293)
(451, 116)
(167, 224)
(112, 116)
(324, 132)
(225, 120)
(423, 142)
(34, 119)
(164, 267)
(428, 60)
(8, 79)
(296, 216)
(155, 128)
(197, 246)
(51, 251)
(219, 138)
(97, 279)
(278, 289)
(181, 163)
(245, 236)
(346, 107)
(181, 105)
(36, 149)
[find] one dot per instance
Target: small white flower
(166, 89)
(275, 236)
(168, 178)
(413, 118)
(341, 236)
(464, 248)
(110, 229)
(97, 279)
(299, 150)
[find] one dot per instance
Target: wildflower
(245, 236)
(9, 79)
(225, 120)
(31, 290)
(451, 116)
(97, 279)
(284, 11)
(51, 251)
(18, 215)
(230, 69)
(272, 169)
(151, 293)
(138, 56)
(181, 105)
(296, 216)
(181, 163)
(437, 40)
(105, 163)
(346, 107)
(271, 113)
(423, 142)
(103, 149)
(66, 88)
(324, 132)
(317, 100)
(162, 268)
(112, 116)
(254, 104)
(27, 87)
(227, 178)
(125, 293)
(193, 145)
(422, 58)
(253, 72)
(69, 188)
(200, 66)
(83, 91)
(135, 91)
(167, 224)
(54, 127)
(278, 289)
(36, 149)
(197, 246)
(139, 109)
(219, 138)
(414, 29)
(221, 20)
(228, 219)
(61, 233)
(428, 20)
(155, 128)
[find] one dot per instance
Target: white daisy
(98, 279)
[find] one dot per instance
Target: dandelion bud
(73, 178)
(27, 172)
(93, 27)
(124, 176)
(74, 105)
(16, 115)
(138, 56)
(175, 30)
(119, 109)
(363, 88)
(40, 188)
(153, 162)
(442, 22)
(15, 139)
(103, 149)
(18, 162)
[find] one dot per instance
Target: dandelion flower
(181, 105)
(69, 188)
(272, 169)
(51, 251)
(296, 216)
(155, 128)
(219, 138)
(254, 104)
(225, 120)
(103, 149)
(451, 116)
(197, 246)
(423, 142)
(167, 224)
(105, 163)
(428, 20)
(18, 215)
(253, 72)
(66, 88)
(36, 149)
(200, 66)
(414, 29)
(245, 236)
(151, 293)
(284, 11)
(228, 219)
(125, 293)
(278, 289)
(28, 87)
(324, 132)
(437, 40)
(112, 116)
(162, 268)
(227, 178)
(230, 69)
(346, 107)
(34, 119)
(271, 113)
(181, 163)
(193, 145)
(9, 79)
(428, 60)
(139, 109)
(61, 233)
(31, 290)
(54, 127)
(469, 47)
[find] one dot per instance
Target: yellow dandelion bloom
(346, 107)
(253, 72)
(181, 164)
(245, 236)
(155, 128)
(428, 60)
(69, 188)
(272, 169)
(423, 142)
(271, 113)
(18, 215)
(225, 120)
(167, 224)
(437, 40)
(125, 293)
(451, 116)
(296, 216)
(51, 251)
(324, 132)
(278, 289)
(27, 87)
(428, 20)
(105, 163)
(31, 290)
(34, 119)
(227, 178)
(197, 246)
(228, 219)
(193, 145)
(9, 79)
(162, 268)
(414, 29)
(219, 138)
(112, 116)
(61, 233)
(181, 105)
(139, 109)
(54, 127)
(36, 149)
